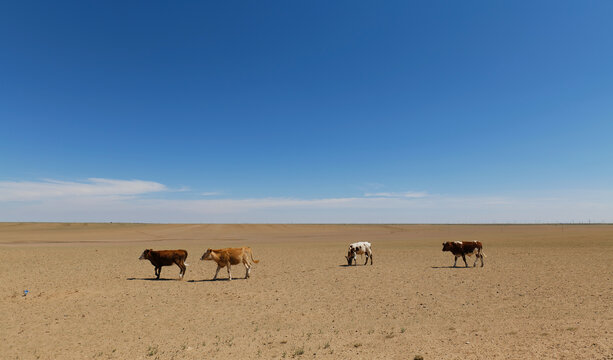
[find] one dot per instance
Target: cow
(166, 258)
(463, 248)
(230, 256)
(359, 248)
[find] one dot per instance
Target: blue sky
(261, 111)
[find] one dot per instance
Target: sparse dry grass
(152, 350)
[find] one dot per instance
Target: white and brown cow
(463, 248)
(359, 248)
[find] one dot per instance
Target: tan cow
(230, 256)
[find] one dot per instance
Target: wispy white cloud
(211, 193)
(39, 190)
(181, 189)
(406, 194)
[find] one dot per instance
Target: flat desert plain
(546, 292)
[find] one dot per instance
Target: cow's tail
(252, 259)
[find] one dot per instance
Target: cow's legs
(365, 263)
(370, 255)
(216, 272)
(455, 262)
(229, 274)
(158, 271)
(182, 269)
(247, 270)
(464, 258)
(477, 256)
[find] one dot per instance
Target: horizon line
(298, 223)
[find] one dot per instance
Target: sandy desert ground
(546, 292)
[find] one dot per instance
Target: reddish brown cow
(165, 258)
(463, 248)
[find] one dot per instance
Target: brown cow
(165, 258)
(230, 256)
(463, 248)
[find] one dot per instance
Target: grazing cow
(165, 258)
(463, 248)
(230, 256)
(359, 248)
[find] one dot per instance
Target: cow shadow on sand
(214, 280)
(451, 267)
(346, 266)
(151, 279)
(189, 281)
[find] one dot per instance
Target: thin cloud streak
(34, 191)
(407, 194)
(211, 193)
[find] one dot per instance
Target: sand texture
(546, 292)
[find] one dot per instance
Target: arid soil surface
(546, 292)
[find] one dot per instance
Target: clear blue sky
(445, 101)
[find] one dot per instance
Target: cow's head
(207, 255)
(447, 246)
(349, 256)
(145, 255)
